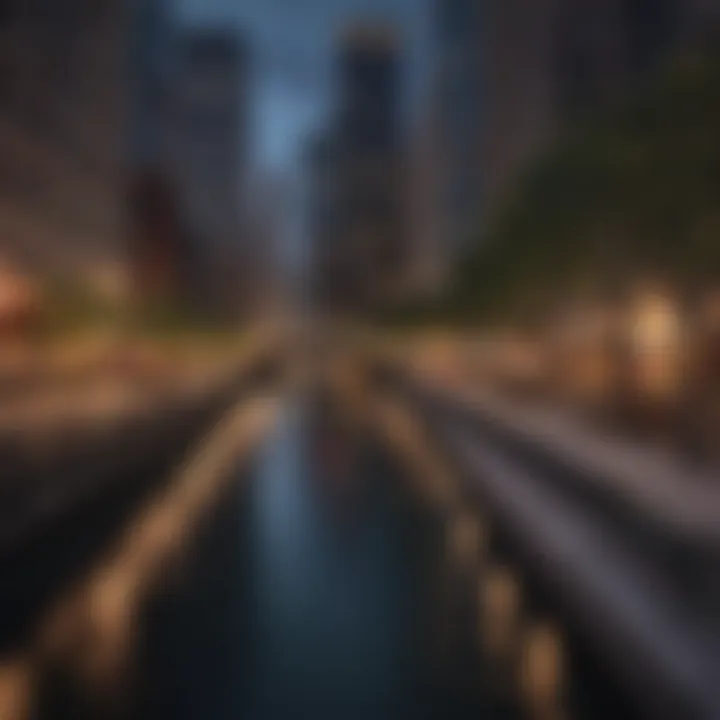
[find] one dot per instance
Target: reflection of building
(369, 162)
(60, 139)
(209, 155)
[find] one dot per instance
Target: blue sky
(292, 47)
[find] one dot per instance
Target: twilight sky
(292, 46)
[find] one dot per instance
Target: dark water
(333, 593)
(310, 595)
(319, 588)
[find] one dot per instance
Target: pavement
(652, 480)
(649, 478)
(70, 386)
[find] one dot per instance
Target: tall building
(264, 217)
(650, 28)
(519, 93)
(369, 163)
(320, 168)
(151, 64)
(593, 52)
(701, 20)
(210, 154)
(427, 253)
(61, 142)
(460, 102)
(551, 60)
(509, 74)
(157, 237)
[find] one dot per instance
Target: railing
(58, 514)
(629, 565)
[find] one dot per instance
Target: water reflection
(335, 594)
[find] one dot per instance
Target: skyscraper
(61, 187)
(701, 20)
(157, 241)
(550, 61)
(369, 161)
(459, 91)
(151, 64)
(428, 254)
(519, 93)
(592, 53)
(209, 151)
(320, 169)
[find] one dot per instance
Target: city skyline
(292, 47)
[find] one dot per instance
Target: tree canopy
(635, 191)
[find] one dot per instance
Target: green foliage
(171, 321)
(72, 309)
(638, 191)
